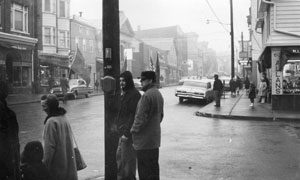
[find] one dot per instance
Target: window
(49, 36)
(19, 18)
(63, 39)
(47, 6)
(84, 45)
(91, 45)
(62, 9)
(21, 76)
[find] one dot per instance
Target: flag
(151, 64)
(157, 71)
(124, 68)
(78, 64)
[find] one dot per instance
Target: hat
(216, 75)
(149, 75)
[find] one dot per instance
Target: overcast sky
(190, 15)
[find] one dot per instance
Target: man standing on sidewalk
(126, 155)
(218, 89)
(146, 130)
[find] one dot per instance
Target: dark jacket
(218, 85)
(9, 143)
(146, 130)
(252, 92)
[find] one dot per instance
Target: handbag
(80, 163)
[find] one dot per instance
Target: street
(192, 147)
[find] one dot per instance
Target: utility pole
(232, 39)
(111, 68)
(242, 36)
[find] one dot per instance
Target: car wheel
(75, 94)
(180, 100)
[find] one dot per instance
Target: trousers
(148, 166)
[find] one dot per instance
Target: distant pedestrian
(252, 93)
(232, 86)
(146, 130)
(262, 91)
(218, 90)
(58, 141)
(51, 82)
(97, 85)
(9, 139)
(32, 167)
(239, 85)
(64, 84)
(247, 84)
(126, 155)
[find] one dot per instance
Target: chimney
(80, 14)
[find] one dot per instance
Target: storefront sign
(276, 74)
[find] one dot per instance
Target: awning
(16, 41)
(54, 59)
(264, 60)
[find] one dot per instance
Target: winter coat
(58, 147)
(247, 83)
(252, 92)
(9, 143)
(146, 130)
(64, 84)
(129, 101)
(232, 85)
(262, 90)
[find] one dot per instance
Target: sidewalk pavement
(238, 108)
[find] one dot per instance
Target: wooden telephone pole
(111, 68)
(232, 39)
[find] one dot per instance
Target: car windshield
(195, 84)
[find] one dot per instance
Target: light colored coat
(262, 89)
(146, 130)
(58, 149)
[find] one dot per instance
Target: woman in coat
(262, 91)
(58, 141)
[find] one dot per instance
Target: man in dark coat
(218, 90)
(146, 130)
(9, 139)
(126, 155)
(64, 84)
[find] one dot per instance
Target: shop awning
(54, 60)
(264, 60)
(16, 41)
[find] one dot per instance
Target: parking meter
(108, 84)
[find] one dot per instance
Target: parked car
(196, 89)
(77, 87)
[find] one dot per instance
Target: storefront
(52, 66)
(16, 62)
(285, 78)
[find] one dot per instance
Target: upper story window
(49, 36)
(63, 39)
(91, 46)
(19, 18)
(47, 6)
(84, 45)
(62, 9)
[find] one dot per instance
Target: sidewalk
(238, 108)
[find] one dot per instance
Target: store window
(21, 76)
(291, 77)
(19, 18)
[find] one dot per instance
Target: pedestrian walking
(232, 86)
(64, 84)
(126, 155)
(218, 90)
(51, 82)
(262, 91)
(252, 94)
(247, 84)
(97, 84)
(239, 85)
(9, 139)
(146, 130)
(32, 167)
(58, 141)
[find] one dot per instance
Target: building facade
(278, 21)
(18, 44)
(54, 41)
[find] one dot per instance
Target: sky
(190, 15)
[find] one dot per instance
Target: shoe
(217, 105)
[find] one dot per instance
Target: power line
(219, 21)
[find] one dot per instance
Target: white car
(196, 89)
